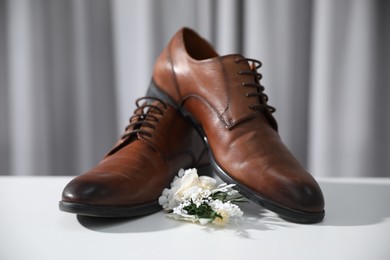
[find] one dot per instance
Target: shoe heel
(154, 91)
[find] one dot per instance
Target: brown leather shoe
(222, 95)
(128, 181)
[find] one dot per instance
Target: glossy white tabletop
(356, 226)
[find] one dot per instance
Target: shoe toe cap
(302, 194)
(90, 189)
(308, 197)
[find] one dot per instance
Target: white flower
(195, 193)
(187, 185)
(167, 199)
(181, 173)
(190, 179)
(162, 200)
(207, 182)
(232, 209)
(221, 221)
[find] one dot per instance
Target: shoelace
(263, 106)
(141, 113)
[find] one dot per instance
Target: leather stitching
(225, 76)
(203, 100)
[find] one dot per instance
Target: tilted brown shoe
(128, 181)
(222, 95)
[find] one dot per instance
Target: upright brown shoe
(129, 180)
(223, 97)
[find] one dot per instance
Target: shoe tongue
(153, 111)
(154, 107)
(147, 108)
(148, 112)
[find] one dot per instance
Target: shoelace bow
(141, 114)
(263, 106)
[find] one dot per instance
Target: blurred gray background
(71, 70)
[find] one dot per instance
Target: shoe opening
(197, 47)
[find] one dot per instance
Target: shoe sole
(289, 214)
(109, 211)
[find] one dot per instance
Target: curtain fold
(60, 86)
(70, 72)
(345, 83)
(4, 100)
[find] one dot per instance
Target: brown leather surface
(139, 166)
(244, 142)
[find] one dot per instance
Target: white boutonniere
(200, 199)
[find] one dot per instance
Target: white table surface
(356, 226)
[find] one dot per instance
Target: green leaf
(203, 211)
(219, 195)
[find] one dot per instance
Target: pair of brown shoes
(196, 94)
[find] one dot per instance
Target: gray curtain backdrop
(71, 70)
